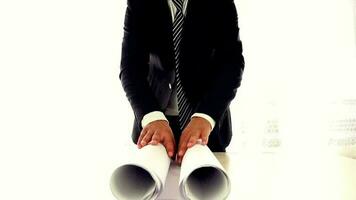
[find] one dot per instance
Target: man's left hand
(197, 128)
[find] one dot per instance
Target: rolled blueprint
(143, 176)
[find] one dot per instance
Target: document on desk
(144, 175)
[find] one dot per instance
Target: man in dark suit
(181, 66)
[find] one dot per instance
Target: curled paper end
(132, 182)
(207, 183)
(143, 176)
(203, 178)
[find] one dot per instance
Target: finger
(142, 134)
(189, 142)
(156, 138)
(182, 147)
(205, 138)
(180, 157)
(182, 143)
(174, 141)
(169, 144)
(192, 141)
(182, 139)
(146, 138)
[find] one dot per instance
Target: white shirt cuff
(207, 117)
(152, 116)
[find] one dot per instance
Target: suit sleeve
(134, 62)
(230, 64)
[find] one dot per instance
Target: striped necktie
(184, 108)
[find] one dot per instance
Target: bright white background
(65, 121)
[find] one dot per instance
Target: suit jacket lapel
(167, 26)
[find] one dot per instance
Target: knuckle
(147, 136)
(157, 134)
(197, 133)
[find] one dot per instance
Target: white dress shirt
(172, 108)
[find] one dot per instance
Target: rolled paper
(143, 176)
(202, 176)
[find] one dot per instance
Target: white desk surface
(281, 177)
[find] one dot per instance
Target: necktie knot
(178, 4)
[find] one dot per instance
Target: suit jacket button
(170, 86)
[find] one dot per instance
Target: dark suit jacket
(211, 60)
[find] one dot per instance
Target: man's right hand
(156, 132)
